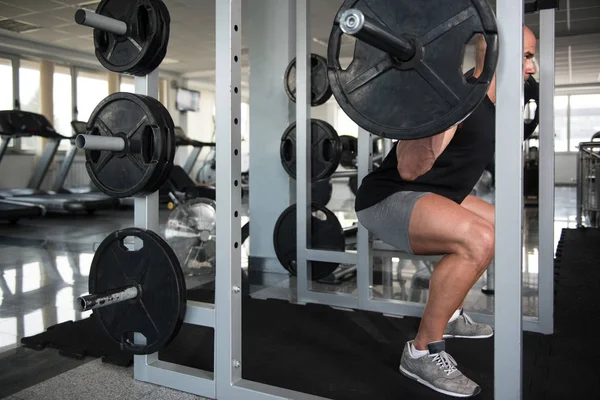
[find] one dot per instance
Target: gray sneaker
(464, 327)
(438, 371)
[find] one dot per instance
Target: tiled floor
(44, 266)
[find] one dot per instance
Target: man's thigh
(480, 207)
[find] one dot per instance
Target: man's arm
(416, 157)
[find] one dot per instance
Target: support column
(271, 38)
(47, 90)
(114, 82)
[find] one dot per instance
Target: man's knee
(479, 244)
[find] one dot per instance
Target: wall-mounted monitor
(187, 100)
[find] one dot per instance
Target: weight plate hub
(326, 150)
(145, 163)
(143, 47)
(159, 311)
(427, 94)
(326, 234)
(320, 91)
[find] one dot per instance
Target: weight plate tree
(405, 80)
(320, 91)
(130, 147)
(326, 150)
(326, 234)
(139, 291)
(129, 36)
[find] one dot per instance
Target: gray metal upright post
(508, 345)
(546, 189)
(364, 246)
(303, 141)
(228, 304)
(145, 216)
(74, 111)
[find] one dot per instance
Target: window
(6, 83)
(585, 118)
(63, 104)
(29, 92)
(92, 88)
(561, 138)
(127, 84)
(345, 126)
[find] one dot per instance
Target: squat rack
(225, 316)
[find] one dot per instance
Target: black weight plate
(159, 313)
(168, 129)
(123, 53)
(320, 91)
(349, 151)
(326, 234)
(162, 162)
(423, 96)
(322, 191)
(130, 172)
(353, 184)
(160, 45)
(326, 150)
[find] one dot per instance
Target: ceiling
(192, 42)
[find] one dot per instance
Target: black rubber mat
(354, 355)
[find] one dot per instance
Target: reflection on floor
(45, 265)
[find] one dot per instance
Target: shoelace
(444, 361)
(468, 319)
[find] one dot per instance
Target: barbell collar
(104, 143)
(97, 300)
(354, 23)
(97, 21)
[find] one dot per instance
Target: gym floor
(45, 264)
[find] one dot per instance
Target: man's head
(529, 44)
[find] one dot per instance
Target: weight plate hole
(143, 22)
(102, 40)
(128, 243)
(288, 150)
(320, 215)
(474, 53)
(147, 145)
(348, 42)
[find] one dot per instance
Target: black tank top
(454, 173)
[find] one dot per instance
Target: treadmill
(17, 123)
(11, 210)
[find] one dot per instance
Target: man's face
(529, 67)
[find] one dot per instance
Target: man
(418, 201)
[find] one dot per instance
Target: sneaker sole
(429, 385)
(467, 337)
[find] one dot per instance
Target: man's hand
(416, 157)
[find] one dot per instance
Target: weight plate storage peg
(130, 36)
(320, 91)
(326, 234)
(406, 79)
(130, 146)
(136, 290)
(325, 151)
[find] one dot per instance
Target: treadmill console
(25, 123)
